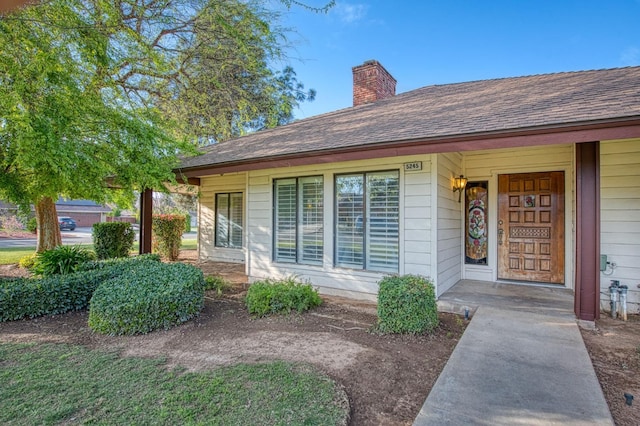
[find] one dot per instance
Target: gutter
(624, 128)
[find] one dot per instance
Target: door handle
(500, 235)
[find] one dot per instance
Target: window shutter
(382, 221)
(349, 221)
(235, 220)
(310, 211)
(229, 220)
(222, 220)
(285, 220)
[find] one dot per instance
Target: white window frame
(363, 232)
(305, 220)
(230, 223)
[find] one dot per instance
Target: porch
(538, 299)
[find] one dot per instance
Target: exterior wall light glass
(459, 183)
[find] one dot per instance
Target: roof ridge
(515, 77)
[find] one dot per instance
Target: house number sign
(413, 166)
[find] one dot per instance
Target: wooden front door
(531, 227)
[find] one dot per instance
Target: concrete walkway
(520, 362)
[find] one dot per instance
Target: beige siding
(258, 222)
(431, 219)
(209, 186)
(449, 222)
(416, 194)
(488, 164)
(620, 216)
(415, 214)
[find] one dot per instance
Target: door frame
(491, 269)
(556, 245)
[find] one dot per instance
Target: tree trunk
(48, 229)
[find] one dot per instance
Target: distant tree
(225, 86)
(174, 203)
(99, 93)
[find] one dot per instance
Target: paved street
(79, 236)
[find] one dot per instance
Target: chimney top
(372, 82)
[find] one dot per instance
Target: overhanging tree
(97, 94)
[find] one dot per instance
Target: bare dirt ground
(387, 377)
(13, 271)
(614, 347)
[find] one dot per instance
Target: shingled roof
(442, 111)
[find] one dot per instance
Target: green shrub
(56, 294)
(167, 233)
(406, 304)
(187, 222)
(112, 239)
(32, 225)
(217, 283)
(27, 261)
(121, 263)
(61, 260)
(150, 296)
(281, 296)
(31, 297)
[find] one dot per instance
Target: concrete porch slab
(548, 300)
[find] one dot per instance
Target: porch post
(146, 212)
(587, 283)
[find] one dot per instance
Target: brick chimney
(371, 82)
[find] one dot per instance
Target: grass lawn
(64, 384)
(190, 244)
(13, 254)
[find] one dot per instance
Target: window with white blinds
(298, 220)
(367, 230)
(285, 220)
(229, 220)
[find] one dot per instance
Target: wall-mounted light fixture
(459, 183)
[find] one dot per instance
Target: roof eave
(596, 130)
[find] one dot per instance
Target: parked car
(66, 223)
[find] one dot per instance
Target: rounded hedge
(150, 297)
(122, 264)
(112, 239)
(56, 294)
(281, 296)
(406, 304)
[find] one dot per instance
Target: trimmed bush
(121, 264)
(167, 233)
(112, 239)
(187, 222)
(32, 297)
(61, 260)
(148, 297)
(281, 296)
(406, 304)
(32, 225)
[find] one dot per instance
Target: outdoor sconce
(459, 184)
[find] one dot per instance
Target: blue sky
(446, 41)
